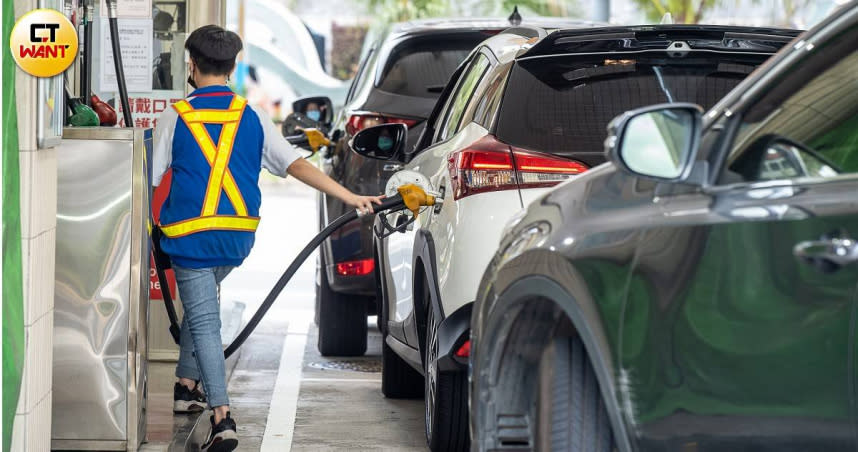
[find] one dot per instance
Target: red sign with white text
(146, 108)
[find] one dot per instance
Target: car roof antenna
(515, 17)
(666, 19)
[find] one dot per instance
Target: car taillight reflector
(356, 123)
(485, 165)
(464, 350)
(491, 165)
(543, 170)
(356, 268)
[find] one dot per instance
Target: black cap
(213, 43)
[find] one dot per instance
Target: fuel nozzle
(415, 197)
(310, 139)
(410, 196)
(316, 139)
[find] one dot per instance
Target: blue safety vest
(210, 216)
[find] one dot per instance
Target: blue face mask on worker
(315, 115)
(385, 143)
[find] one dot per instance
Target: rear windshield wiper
(657, 71)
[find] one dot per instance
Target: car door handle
(829, 253)
(391, 167)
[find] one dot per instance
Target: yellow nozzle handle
(316, 139)
(415, 197)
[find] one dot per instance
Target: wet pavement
(283, 394)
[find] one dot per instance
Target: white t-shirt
(277, 153)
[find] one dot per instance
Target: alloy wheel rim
(431, 372)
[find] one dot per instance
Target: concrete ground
(284, 395)
(365, 420)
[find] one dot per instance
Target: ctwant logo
(36, 37)
(43, 43)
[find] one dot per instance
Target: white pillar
(32, 427)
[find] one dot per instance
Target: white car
(430, 270)
(527, 110)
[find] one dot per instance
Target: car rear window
(562, 105)
(423, 67)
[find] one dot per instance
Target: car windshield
(562, 105)
(421, 69)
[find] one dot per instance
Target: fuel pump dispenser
(101, 302)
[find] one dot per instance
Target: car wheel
(571, 414)
(446, 395)
(342, 321)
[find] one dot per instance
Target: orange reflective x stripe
(220, 177)
(218, 158)
(218, 222)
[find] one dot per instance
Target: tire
(571, 414)
(398, 379)
(342, 321)
(446, 399)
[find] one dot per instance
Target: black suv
(699, 291)
(527, 109)
(398, 81)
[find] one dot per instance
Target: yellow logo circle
(43, 42)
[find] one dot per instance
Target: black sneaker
(222, 437)
(188, 400)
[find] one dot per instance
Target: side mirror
(658, 142)
(323, 104)
(382, 142)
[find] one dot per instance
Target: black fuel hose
(162, 263)
(298, 140)
(393, 202)
(117, 64)
(86, 69)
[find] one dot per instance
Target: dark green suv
(699, 292)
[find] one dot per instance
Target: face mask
(315, 115)
(191, 79)
(385, 143)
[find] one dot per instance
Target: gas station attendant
(216, 145)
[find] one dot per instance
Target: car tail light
(356, 268)
(485, 166)
(356, 123)
(544, 170)
(464, 351)
(491, 165)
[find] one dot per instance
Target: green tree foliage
(683, 11)
(551, 8)
(784, 13)
(388, 11)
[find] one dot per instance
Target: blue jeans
(200, 345)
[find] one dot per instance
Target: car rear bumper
(352, 243)
(452, 333)
(355, 285)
